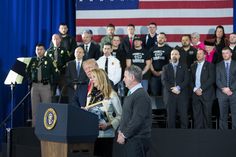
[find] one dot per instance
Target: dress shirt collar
(175, 64)
(228, 61)
(201, 63)
(133, 89)
(89, 44)
(107, 56)
(78, 61)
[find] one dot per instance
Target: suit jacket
(207, 79)
(80, 96)
(93, 52)
(136, 116)
(181, 80)
(221, 78)
(125, 44)
(72, 76)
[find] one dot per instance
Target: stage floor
(165, 143)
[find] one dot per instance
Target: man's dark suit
(125, 44)
(202, 105)
(176, 102)
(226, 101)
(73, 78)
(136, 123)
(93, 52)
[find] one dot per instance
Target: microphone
(76, 81)
(62, 89)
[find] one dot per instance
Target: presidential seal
(50, 119)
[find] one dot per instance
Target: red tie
(90, 86)
(131, 42)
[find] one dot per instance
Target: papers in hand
(98, 104)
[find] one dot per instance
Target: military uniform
(105, 39)
(42, 74)
(60, 57)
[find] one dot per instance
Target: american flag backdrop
(174, 17)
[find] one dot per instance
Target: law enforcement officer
(41, 72)
(60, 57)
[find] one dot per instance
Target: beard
(161, 43)
(174, 60)
(186, 45)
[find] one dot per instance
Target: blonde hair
(104, 84)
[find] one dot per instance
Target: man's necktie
(39, 75)
(106, 65)
(175, 70)
(78, 68)
(86, 48)
(131, 42)
(227, 74)
(90, 86)
(56, 54)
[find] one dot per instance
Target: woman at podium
(103, 101)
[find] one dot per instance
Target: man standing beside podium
(136, 121)
(41, 73)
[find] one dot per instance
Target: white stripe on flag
(167, 29)
(154, 13)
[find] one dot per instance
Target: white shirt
(114, 68)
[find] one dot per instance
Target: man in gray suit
(226, 88)
(136, 121)
(202, 83)
(175, 80)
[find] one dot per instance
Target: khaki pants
(40, 93)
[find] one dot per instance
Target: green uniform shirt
(49, 73)
(61, 59)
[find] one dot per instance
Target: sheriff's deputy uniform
(60, 57)
(42, 74)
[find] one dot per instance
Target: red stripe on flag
(170, 37)
(158, 21)
(186, 4)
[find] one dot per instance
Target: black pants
(137, 147)
(202, 111)
(103, 147)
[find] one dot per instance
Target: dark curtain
(24, 23)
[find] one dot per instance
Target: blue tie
(227, 74)
(78, 68)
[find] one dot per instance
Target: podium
(61, 128)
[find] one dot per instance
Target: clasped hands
(175, 90)
(198, 92)
(227, 91)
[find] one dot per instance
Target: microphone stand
(12, 103)
(62, 89)
(3, 123)
(14, 109)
